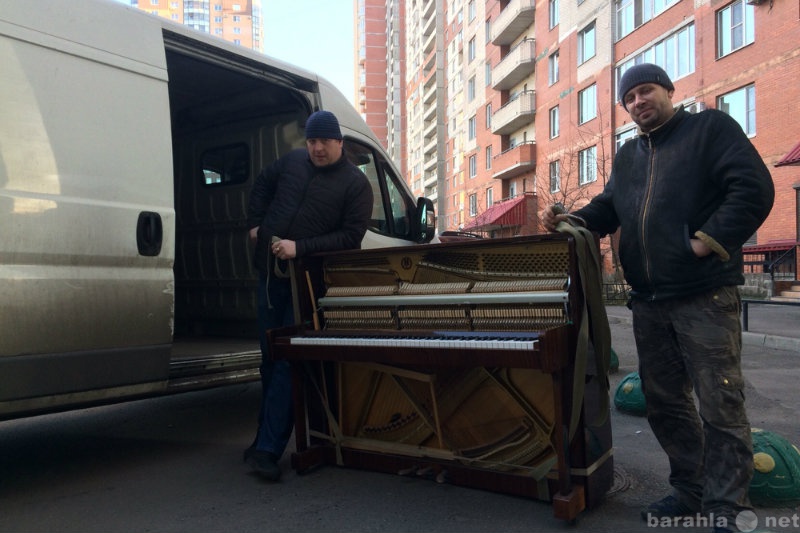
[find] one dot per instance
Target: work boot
(265, 464)
(668, 507)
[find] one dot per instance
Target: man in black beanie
(686, 194)
(310, 200)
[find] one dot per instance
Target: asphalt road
(174, 464)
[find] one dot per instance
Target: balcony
(429, 26)
(516, 66)
(430, 163)
(429, 95)
(516, 114)
(512, 22)
(430, 146)
(515, 161)
(430, 129)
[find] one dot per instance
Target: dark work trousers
(694, 344)
(276, 419)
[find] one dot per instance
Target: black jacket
(697, 175)
(321, 209)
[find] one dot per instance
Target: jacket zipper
(646, 213)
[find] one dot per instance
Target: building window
(489, 197)
(237, 30)
(587, 104)
(623, 137)
(489, 157)
(488, 116)
(471, 49)
(675, 54)
(735, 27)
(473, 165)
(471, 89)
(633, 13)
(741, 105)
(473, 205)
(471, 10)
(553, 12)
(555, 176)
(552, 68)
(237, 18)
(488, 73)
(487, 27)
(472, 128)
(554, 127)
(512, 189)
(586, 44)
(587, 165)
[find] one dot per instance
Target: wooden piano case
(451, 401)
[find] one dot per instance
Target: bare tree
(569, 192)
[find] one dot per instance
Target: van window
(226, 165)
(392, 210)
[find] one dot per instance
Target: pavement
(772, 326)
(771, 367)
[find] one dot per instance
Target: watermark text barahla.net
(746, 521)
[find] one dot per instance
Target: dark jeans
(694, 344)
(276, 419)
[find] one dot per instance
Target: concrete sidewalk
(771, 370)
(770, 326)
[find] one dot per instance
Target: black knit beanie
(639, 74)
(323, 125)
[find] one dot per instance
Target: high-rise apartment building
(380, 72)
(425, 95)
(512, 104)
(237, 21)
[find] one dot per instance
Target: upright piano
(458, 362)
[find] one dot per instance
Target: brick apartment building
(236, 21)
(512, 104)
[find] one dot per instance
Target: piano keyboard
(454, 340)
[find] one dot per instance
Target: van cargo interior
(228, 121)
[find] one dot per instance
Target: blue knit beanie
(323, 125)
(639, 74)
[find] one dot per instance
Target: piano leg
(569, 506)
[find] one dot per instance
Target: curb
(771, 341)
(748, 337)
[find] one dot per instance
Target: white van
(128, 147)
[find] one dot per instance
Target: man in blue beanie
(686, 194)
(310, 200)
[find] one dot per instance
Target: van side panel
(84, 150)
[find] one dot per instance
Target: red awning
(508, 213)
(792, 158)
(771, 246)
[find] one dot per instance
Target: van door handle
(149, 233)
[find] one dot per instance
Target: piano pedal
(426, 472)
(408, 471)
(442, 477)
